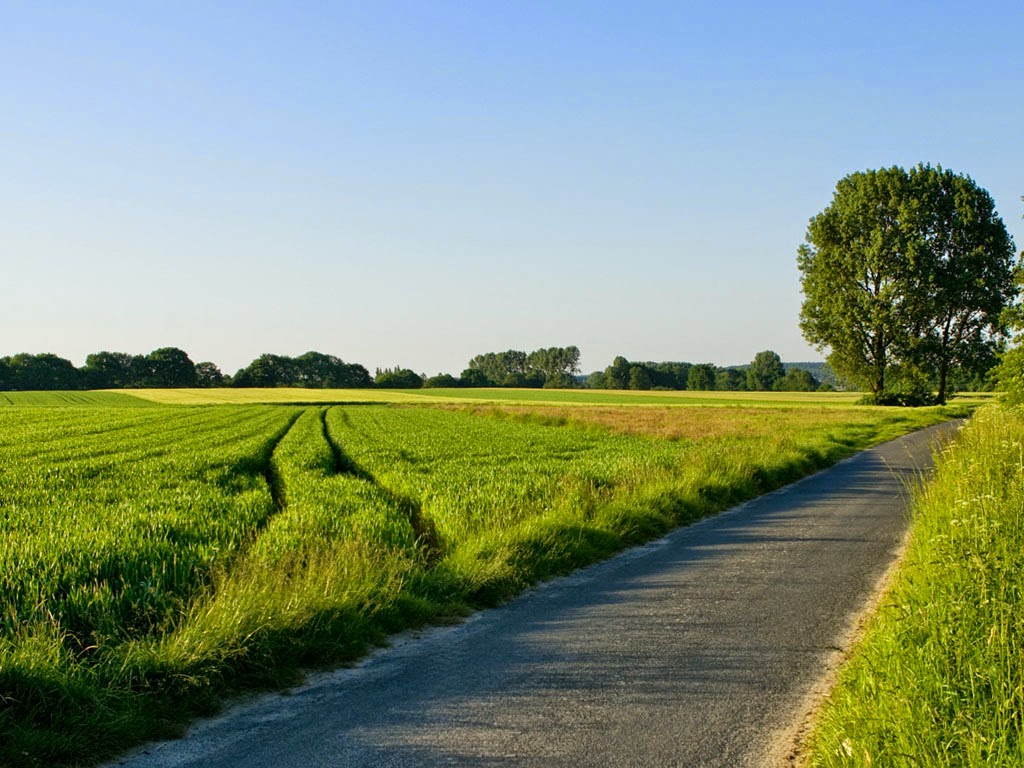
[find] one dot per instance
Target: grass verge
(938, 678)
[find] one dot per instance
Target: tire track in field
(423, 527)
(275, 483)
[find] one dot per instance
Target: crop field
(70, 398)
(491, 395)
(155, 558)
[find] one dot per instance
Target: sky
(415, 183)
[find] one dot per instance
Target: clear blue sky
(414, 183)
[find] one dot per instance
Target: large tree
(906, 269)
(971, 259)
(169, 367)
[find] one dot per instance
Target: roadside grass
(938, 677)
(154, 560)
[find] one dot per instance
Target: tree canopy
(765, 371)
(397, 378)
(905, 276)
(546, 367)
(312, 369)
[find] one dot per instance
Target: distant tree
(560, 380)
(113, 370)
(730, 380)
(397, 378)
(618, 373)
(474, 377)
(42, 372)
(596, 380)
(169, 367)
(639, 378)
(556, 365)
(355, 376)
(669, 375)
(797, 380)
(6, 380)
(765, 369)
(319, 371)
(497, 366)
(702, 377)
(267, 371)
(552, 366)
(315, 370)
(208, 375)
(530, 380)
(442, 380)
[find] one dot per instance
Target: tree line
(766, 372)
(171, 367)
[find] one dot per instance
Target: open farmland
(154, 558)
(494, 395)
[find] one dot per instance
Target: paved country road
(699, 649)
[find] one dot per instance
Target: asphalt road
(699, 649)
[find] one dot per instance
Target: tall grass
(938, 679)
(154, 559)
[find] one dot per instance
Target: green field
(70, 398)
(154, 559)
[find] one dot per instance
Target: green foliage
(552, 367)
(701, 376)
(765, 371)
(208, 375)
(938, 679)
(113, 370)
(730, 380)
(907, 268)
(1010, 375)
(796, 380)
(169, 367)
(474, 377)
(639, 378)
(40, 372)
(312, 369)
(620, 375)
(441, 380)
(397, 378)
(617, 374)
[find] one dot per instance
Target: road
(700, 649)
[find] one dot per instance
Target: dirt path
(700, 649)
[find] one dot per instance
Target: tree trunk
(943, 368)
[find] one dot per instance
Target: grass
(153, 560)
(938, 679)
